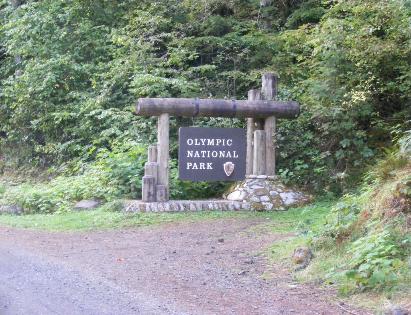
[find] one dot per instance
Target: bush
(377, 260)
(60, 193)
(372, 228)
(405, 143)
(114, 175)
(340, 223)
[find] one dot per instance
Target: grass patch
(279, 222)
(301, 221)
(100, 219)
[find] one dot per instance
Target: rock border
(185, 206)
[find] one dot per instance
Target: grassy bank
(298, 219)
(362, 247)
(102, 219)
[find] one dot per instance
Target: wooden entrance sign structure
(261, 110)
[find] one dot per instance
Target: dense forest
(72, 71)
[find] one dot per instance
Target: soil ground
(208, 267)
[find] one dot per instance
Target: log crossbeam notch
(261, 110)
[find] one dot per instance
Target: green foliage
(377, 260)
(405, 143)
(114, 174)
(350, 71)
(124, 167)
(59, 194)
(371, 228)
(72, 71)
(343, 216)
(387, 167)
(308, 12)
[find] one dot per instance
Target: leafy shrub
(114, 175)
(405, 143)
(60, 193)
(387, 167)
(124, 168)
(340, 222)
(308, 12)
(377, 260)
(372, 228)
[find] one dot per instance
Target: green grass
(2, 189)
(281, 222)
(299, 221)
(100, 219)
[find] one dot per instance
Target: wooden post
(252, 95)
(152, 153)
(250, 151)
(163, 155)
(161, 193)
(269, 91)
(269, 127)
(151, 169)
(149, 187)
(259, 167)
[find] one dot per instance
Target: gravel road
(210, 267)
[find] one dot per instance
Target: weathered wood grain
(252, 96)
(259, 153)
(269, 92)
(148, 189)
(162, 195)
(163, 154)
(152, 153)
(186, 107)
(151, 169)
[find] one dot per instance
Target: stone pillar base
(266, 193)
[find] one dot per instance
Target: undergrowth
(115, 174)
(370, 232)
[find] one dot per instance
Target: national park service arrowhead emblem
(229, 168)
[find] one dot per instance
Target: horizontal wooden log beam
(187, 107)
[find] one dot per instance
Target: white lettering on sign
(199, 166)
(214, 154)
(210, 154)
(209, 142)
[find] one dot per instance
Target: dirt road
(210, 267)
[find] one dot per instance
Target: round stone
(254, 199)
(261, 191)
(267, 205)
(237, 195)
(265, 199)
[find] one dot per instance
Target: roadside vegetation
(362, 246)
(105, 218)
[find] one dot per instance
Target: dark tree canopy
(71, 72)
